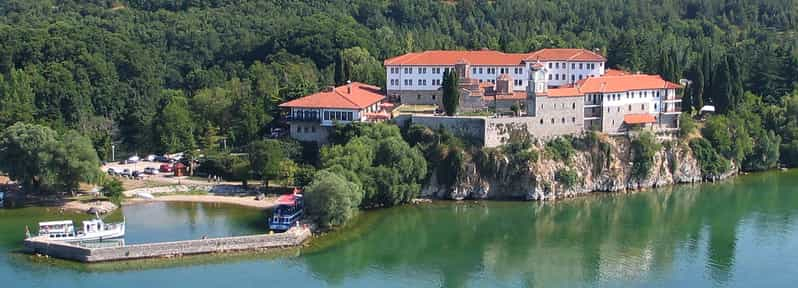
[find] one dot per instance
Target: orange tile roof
(622, 83)
(360, 97)
(641, 118)
(564, 54)
(490, 57)
(564, 92)
(615, 72)
(516, 95)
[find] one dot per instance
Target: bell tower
(537, 87)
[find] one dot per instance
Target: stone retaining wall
(68, 251)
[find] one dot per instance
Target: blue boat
(288, 212)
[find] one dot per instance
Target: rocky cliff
(601, 168)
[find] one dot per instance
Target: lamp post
(113, 152)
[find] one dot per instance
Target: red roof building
(311, 117)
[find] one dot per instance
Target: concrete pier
(68, 251)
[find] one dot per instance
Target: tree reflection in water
(617, 238)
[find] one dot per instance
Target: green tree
(43, 161)
(24, 154)
(360, 66)
(451, 94)
(74, 161)
(265, 158)
(16, 99)
(331, 199)
(174, 128)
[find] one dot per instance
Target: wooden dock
(68, 251)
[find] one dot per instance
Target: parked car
(167, 168)
(113, 171)
(162, 159)
(137, 174)
(150, 158)
(150, 170)
(125, 173)
(133, 159)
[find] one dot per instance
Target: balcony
(303, 118)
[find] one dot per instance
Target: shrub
(567, 178)
(644, 147)
(560, 149)
(711, 162)
(686, 125)
(112, 188)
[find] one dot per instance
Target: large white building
(416, 78)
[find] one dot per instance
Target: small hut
(180, 169)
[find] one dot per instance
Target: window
(557, 65)
(549, 76)
(573, 105)
(573, 78)
(655, 106)
(563, 76)
(418, 97)
(563, 120)
(630, 108)
(580, 65)
(552, 120)
(326, 115)
(433, 96)
(549, 65)
(408, 70)
(541, 121)
(473, 70)
(480, 70)
(580, 76)
(307, 130)
(420, 71)
(573, 119)
(643, 107)
(298, 129)
(313, 129)
(557, 77)
(573, 65)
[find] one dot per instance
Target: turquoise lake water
(739, 233)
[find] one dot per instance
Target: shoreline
(248, 201)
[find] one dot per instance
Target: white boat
(94, 229)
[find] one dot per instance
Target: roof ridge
(344, 95)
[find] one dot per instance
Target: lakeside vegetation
(205, 77)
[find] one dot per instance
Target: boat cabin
(288, 212)
(57, 229)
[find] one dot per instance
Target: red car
(166, 168)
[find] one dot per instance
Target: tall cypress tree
(339, 77)
(722, 87)
(736, 82)
(698, 87)
(451, 97)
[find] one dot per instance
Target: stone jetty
(58, 249)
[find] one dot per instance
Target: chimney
(348, 87)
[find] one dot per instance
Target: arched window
(563, 120)
(541, 121)
(573, 105)
(573, 119)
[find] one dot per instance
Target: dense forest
(168, 75)
(155, 76)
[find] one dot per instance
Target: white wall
(562, 71)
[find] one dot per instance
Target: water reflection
(611, 239)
